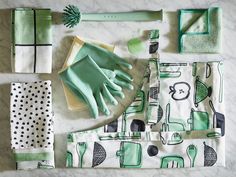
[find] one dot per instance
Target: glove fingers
(109, 73)
(113, 85)
(116, 92)
(75, 87)
(90, 100)
(109, 96)
(123, 84)
(124, 63)
(123, 75)
(101, 104)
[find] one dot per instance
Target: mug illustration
(180, 91)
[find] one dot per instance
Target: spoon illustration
(81, 148)
(192, 153)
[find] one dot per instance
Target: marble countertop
(66, 121)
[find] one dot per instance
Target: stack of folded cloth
(92, 74)
(31, 117)
(31, 40)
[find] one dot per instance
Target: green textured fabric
(86, 79)
(26, 20)
(33, 156)
(31, 40)
(200, 30)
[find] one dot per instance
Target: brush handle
(124, 16)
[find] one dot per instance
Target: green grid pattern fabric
(31, 40)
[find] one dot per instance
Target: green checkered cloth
(32, 40)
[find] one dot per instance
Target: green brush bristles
(71, 16)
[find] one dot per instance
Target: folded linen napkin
(200, 30)
(31, 119)
(31, 40)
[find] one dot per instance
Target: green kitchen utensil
(138, 104)
(172, 124)
(220, 70)
(81, 148)
(69, 159)
(208, 70)
(72, 16)
(130, 154)
(198, 120)
(172, 161)
(194, 69)
(192, 153)
(202, 91)
(170, 74)
(160, 113)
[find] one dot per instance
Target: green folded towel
(200, 30)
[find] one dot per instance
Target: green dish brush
(72, 16)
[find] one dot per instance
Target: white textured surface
(112, 33)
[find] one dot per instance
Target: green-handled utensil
(192, 153)
(81, 148)
(220, 70)
(72, 16)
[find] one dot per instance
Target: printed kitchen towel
(191, 96)
(200, 30)
(31, 40)
(194, 90)
(31, 120)
(186, 128)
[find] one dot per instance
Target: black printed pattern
(31, 115)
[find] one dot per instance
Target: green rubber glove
(107, 60)
(86, 79)
(114, 77)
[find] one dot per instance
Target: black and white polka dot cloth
(31, 115)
